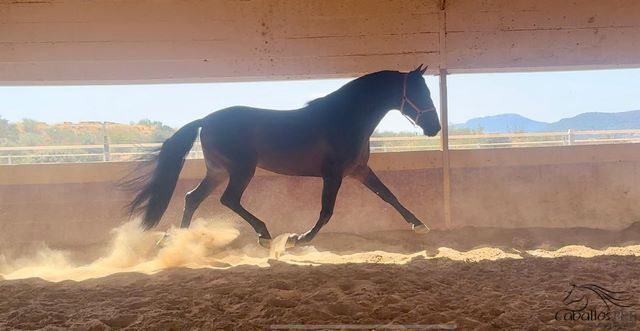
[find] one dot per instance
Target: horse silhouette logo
(591, 302)
(581, 296)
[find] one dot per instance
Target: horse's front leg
(371, 181)
(331, 185)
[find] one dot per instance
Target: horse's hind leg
(371, 181)
(194, 198)
(238, 182)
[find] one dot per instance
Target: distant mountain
(506, 123)
(599, 121)
(503, 123)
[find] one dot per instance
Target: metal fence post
(570, 137)
(105, 149)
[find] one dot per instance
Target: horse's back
(287, 142)
(243, 125)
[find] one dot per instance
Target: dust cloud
(130, 250)
(214, 244)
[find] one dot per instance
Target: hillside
(599, 121)
(503, 123)
(506, 123)
(33, 133)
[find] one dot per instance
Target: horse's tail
(158, 184)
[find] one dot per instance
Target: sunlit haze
(544, 96)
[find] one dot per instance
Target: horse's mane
(608, 296)
(348, 90)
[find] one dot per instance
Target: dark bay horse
(329, 138)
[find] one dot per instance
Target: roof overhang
(80, 42)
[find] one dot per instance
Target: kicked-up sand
(212, 277)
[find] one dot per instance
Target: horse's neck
(367, 106)
(371, 122)
(385, 97)
(370, 114)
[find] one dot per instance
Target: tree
(8, 132)
(31, 126)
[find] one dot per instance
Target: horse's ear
(420, 70)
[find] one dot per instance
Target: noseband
(406, 100)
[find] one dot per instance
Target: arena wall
(558, 187)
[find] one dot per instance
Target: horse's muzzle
(431, 133)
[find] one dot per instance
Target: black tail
(158, 184)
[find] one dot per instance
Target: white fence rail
(127, 152)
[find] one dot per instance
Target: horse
(328, 138)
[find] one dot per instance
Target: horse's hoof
(264, 242)
(292, 241)
(163, 240)
(421, 228)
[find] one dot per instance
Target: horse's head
(416, 102)
(579, 296)
(576, 298)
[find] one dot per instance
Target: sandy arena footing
(221, 280)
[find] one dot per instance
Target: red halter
(405, 100)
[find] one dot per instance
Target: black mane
(349, 91)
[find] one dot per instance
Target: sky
(542, 96)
